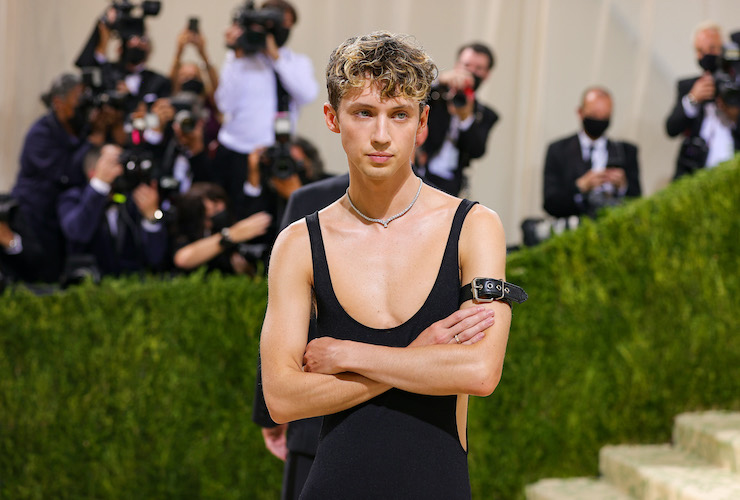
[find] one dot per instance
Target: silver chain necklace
(387, 221)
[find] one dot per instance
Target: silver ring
(457, 339)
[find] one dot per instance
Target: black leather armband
(489, 289)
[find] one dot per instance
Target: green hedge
(138, 389)
(133, 390)
(630, 321)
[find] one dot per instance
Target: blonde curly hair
(395, 62)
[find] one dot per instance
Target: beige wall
(547, 52)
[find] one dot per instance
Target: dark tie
(590, 158)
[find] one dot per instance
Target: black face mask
(135, 55)
(708, 62)
(281, 35)
(595, 128)
(195, 86)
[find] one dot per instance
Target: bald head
(707, 40)
(596, 103)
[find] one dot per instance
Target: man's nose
(381, 134)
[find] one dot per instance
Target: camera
(257, 23)
(277, 161)
(137, 165)
(8, 204)
(459, 99)
(127, 24)
(95, 95)
(727, 76)
(188, 110)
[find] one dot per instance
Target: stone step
(657, 472)
(712, 435)
(579, 488)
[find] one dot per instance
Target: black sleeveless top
(398, 444)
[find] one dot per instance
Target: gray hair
(60, 87)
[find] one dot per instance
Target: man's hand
(468, 325)
(271, 47)
(231, 35)
(325, 354)
(108, 166)
(616, 177)
(146, 198)
(6, 235)
(164, 111)
(456, 79)
(590, 180)
(251, 227)
(459, 81)
(703, 89)
(285, 187)
(275, 440)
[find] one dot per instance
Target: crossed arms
(330, 375)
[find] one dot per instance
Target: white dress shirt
(247, 96)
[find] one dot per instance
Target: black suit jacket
(153, 85)
(564, 164)
(303, 435)
(471, 143)
(83, 221)
(678, 123)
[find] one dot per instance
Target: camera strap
(283, 98)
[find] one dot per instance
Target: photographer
(273, 175)
(50, 162)
(188, 77)
(114, 218)
(207, 235)
(458, 123)
(128, 77)
(259, 78)
(706, 109)
(587, 171)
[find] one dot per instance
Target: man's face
(474, 62)
(707, 42)
(596, 106)
(64, 106)
(378, 136)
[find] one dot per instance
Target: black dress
(398, 444)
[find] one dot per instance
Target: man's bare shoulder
(482, 230)
(292, 248)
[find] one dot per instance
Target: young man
(394, 360)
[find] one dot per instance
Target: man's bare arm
(290, 392)
(436, 369)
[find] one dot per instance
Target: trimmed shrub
(133, 390)
(143, 389)
(631, 320)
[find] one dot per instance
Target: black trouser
(297, 467)
(230, 171)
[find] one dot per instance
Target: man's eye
(402, 115)
(363, 112)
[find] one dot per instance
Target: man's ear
(422, 130)
(331, 118)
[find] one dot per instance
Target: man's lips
(380, 157)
